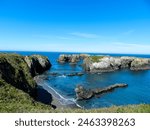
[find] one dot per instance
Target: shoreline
(57, 100)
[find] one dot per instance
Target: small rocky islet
(17, 73)
(102, 63)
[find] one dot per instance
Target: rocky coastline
(17, 82)
(17, 74)
(105, 63)
(108, 63)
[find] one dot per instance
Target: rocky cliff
(16, 77)
(19, 71)
(108, 63)
(15, 71)
(37, 64)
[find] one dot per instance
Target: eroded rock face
(18, 70)
(72, 59)
(140, 64)
(15, 71)
(64, 58)
(105, 65)
(84, 94)
(108, 63)
(87, 63)
(126, 61)
(37, 64)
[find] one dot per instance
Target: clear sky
(107, 26)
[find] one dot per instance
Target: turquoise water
(137, 92)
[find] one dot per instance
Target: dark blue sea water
(137, 92)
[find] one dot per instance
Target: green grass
(15, 71)
(96, 58)
(142, 108)
(15, 100)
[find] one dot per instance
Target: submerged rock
(75, 74)
(84, 94)
(54, 74)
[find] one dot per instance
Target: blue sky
(107, 26)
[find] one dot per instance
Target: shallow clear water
(137, 92)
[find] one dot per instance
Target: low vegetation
(16, 83)
(14, 70)
(15, 100)
(17, 87)
(142, 108)
(96, 58)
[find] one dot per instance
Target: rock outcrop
(83, 56)
(37, 64)
(84, 94)
(64, 58)
(108, 63)
(140, 64)
(18, 90)
(19, 71)
(72, 59)
(15, 71)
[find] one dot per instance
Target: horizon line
(73, 52)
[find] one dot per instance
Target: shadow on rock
(44, 97)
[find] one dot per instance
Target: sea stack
(108, 63)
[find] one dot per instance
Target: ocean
(137, 92)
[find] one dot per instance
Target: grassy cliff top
(96, 58)
(14, 70)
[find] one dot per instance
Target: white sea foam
(58, 96)
(62, 76)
